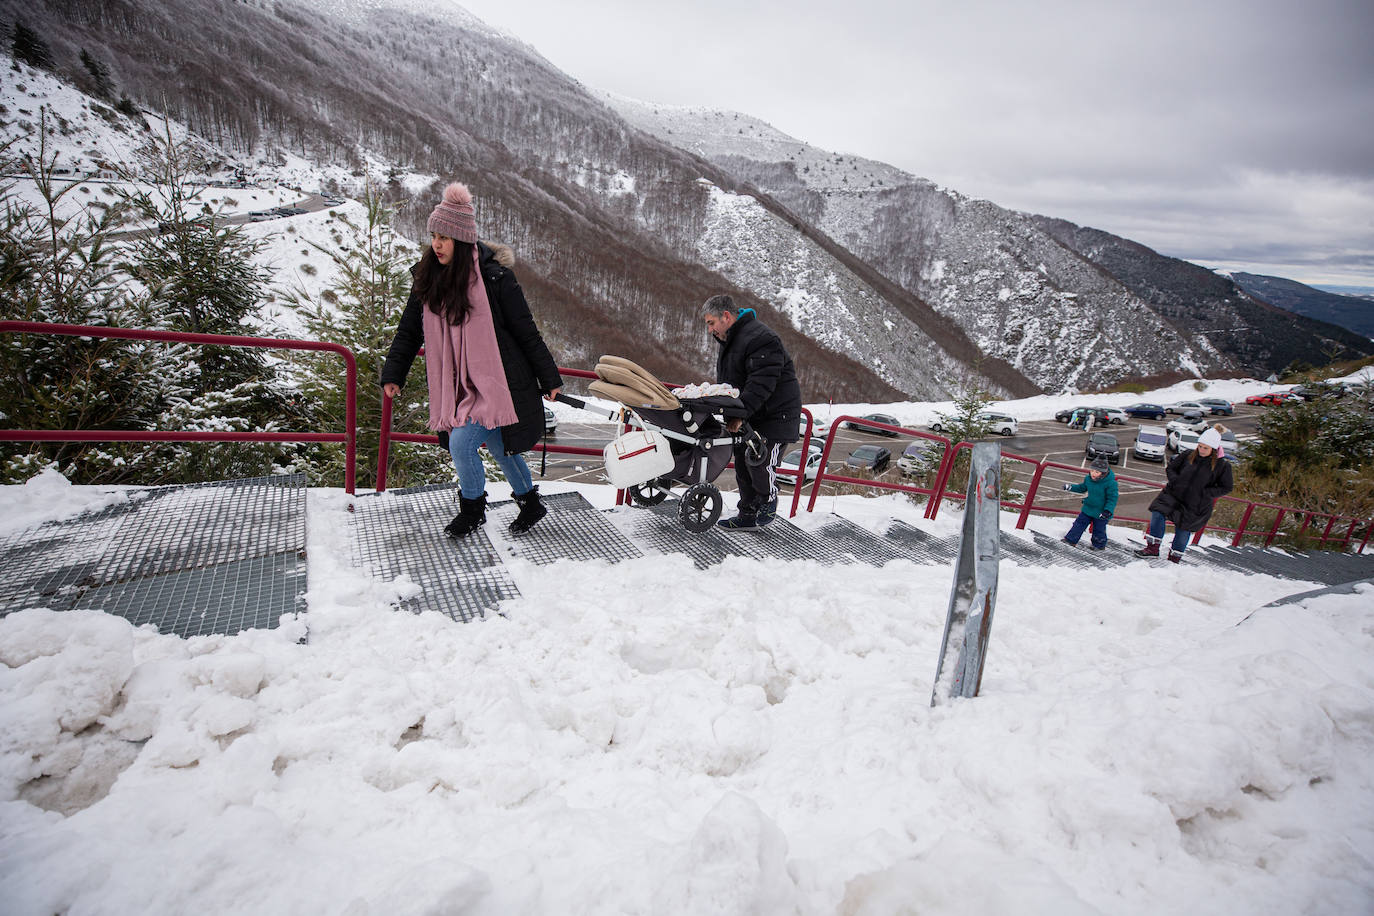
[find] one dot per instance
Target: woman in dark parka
(485, 360)
(1197, 479)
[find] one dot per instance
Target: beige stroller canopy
(620, 380)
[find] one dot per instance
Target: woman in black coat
(485, 361)
(1197, 479)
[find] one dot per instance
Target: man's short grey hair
(719, 305)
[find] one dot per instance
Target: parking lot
(1037, 440)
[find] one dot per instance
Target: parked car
(1318, 390)
(793, 460)
(1151, 443)
(1115, 415)
(999, 423)
(1179, 428)
(1218, 406)
(1185, 406)
(1101, 417)
(876, 418)
(915, 456)
(1196, 423)
(550, 421)
(873, 458)
(1270, 398)
(1105, 445)
(1145, 411)
(1230, 448)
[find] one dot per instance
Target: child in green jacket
(1098, 505)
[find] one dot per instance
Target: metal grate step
(191, 559)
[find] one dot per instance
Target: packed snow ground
(754, 738)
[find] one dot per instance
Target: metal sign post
(974, 592)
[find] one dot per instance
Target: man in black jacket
(753, 359)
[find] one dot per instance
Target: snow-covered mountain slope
(1018, 293)
(1060, 303)
(610, 223)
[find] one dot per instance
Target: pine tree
(59, 268)
(27, 47)
(361, 311)
(103, 87)
(196, 274)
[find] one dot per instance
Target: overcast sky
(1233, 133)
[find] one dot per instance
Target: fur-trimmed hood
(503, 254)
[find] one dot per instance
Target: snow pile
(650, 737)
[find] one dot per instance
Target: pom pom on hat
(454, 215)
(457, 193)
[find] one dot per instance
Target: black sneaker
(740, 522)
(767, 512)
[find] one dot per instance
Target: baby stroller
(672, 440)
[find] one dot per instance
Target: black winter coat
(753, 359)
(530, 369)
(1194, 484)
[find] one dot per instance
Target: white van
(1149, 443)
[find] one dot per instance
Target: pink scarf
(463, 365)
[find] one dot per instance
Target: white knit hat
(1210, 438)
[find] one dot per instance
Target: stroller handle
(583, 405)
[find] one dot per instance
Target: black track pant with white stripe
(758, 484)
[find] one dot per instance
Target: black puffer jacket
(1194, 484)
(530, 369)
(753, 359)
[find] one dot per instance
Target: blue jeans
(1099, 536)
(1156, 531)
(463, 444)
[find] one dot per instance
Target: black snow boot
(472, 514)
(531, 511)
(1151, 548)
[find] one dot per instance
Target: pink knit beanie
(454, 216)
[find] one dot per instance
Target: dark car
(1312, 392)
(1146, 411)
(873, 458)
(1100, 415)
(1218, 406)
(876, 418)
(1104, 445)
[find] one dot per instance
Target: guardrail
(936, 494)
(349, 437)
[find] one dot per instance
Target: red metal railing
(822, 475)
(388, 436)
(1239, 532)
(936, 494)
(349, 437)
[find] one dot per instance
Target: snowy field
(755, 738)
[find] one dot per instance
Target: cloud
(1240, 126)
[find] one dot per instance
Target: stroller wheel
(650, 493)
(700, 507)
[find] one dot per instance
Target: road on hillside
(1038, 440)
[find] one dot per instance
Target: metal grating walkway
(401, 532)
(227, 556)
(191, 560)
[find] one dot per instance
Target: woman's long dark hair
(444, 287)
